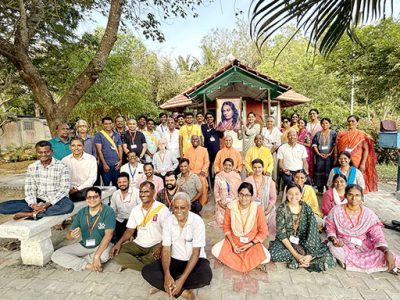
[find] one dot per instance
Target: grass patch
(387, 172)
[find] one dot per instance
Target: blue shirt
(88, 146)
(110, 155)
(60, 149)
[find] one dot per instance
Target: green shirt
(105, 221)
(60, 149)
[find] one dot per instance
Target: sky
(183, 36)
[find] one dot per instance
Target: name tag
(244, 239)
(134, 146)
(257, 201)
(348, 149)
(112, 148)
(294, 239)
(90, 243)
(324, 147)
(142, 230)
(228, 199)
(212, 139)
(356, 241)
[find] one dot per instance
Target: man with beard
(122, 202)
(183, 265)
(261, 152)
(180, 121)
(134, 140)
(190, 183)
(142, 123)
(148, 169)
(146, 219)
(166, 195)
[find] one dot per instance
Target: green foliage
(387, 172)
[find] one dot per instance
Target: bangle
(253, 242)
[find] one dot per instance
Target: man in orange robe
(199, 164)
(224, 153)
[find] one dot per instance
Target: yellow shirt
(186, 132)
(310, 198)
(262, 153)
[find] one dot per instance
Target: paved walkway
(28, 282)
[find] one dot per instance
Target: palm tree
(324, 21)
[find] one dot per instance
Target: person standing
(120, 127)
(211, 137)
(186, 132)
(200, 118)
(272, 140)
(95, 223)
(82, 168)
(134, 140)
(60, 143)
(142, 123)
(162, 127)
(304, 138)
(109, 151)
(314, 125)
(171, 135)
(82, 132)
(152, 136)
(183, 265)
(249, 131)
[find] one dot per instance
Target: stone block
(346, 293)
(374, 294)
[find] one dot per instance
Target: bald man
(228, 152)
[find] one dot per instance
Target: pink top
(158, 182)
(328, 202)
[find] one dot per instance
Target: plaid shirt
(162, 197)
(51, 183)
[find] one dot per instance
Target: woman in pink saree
(356, 238)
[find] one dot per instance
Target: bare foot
(22, 215)
(153, 290)
(58, 227)
(121, 269)
(188, 294)
(89, 267)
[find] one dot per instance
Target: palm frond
(323, 21)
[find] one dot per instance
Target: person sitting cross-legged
(123, 201)
(183, 265)
(95, 223)
(147, 219)
(46, 188)
(83, 169)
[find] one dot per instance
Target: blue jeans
(62, 207)
(110, 176)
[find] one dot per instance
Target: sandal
(391, 226)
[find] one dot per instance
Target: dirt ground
(14, 168)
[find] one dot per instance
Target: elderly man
(123, 201)
(186, 132)
(95, 223)
(152, 136)
(61, 142)
(83, 170)
(190, 183)
(120, 127)
(199, 164)
(272, 140)
(228, 152)
(261, 152)
(147, 219)
(134, 140)
(291, 157)
(82, 132)
(46, 188)
(183, 265)
(109, 150)
(171, 135)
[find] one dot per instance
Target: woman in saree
(356, 238)
(314, 125)
(361, 148)
(353, 175)
(265, 194)
(225, 189)
(294, 121)
(335, 194)
(297, 239)
(249, 131)
(323, 145)
(245, 229)
(304, 138)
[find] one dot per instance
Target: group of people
(163, 175)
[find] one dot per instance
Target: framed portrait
(229, 111)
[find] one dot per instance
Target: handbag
(388, 126)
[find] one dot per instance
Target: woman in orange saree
(361, 148)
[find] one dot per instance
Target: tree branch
(7, 50)
(35, 17)
(89, 76)
(21, 35)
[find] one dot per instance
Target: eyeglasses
(286, 121)
(245, 195)
(92, 197)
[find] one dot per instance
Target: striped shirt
(51, 183)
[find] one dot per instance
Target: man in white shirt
(123, 201)
(183, 265)
(162, 127)
(134, 168)
(82, 168)
(147, 219)
(291, 158)
(171, 135)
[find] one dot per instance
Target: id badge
(112, 148)
(356, 241)
(324, 147)
(294, 239)
(212, 139)
(348, 149)
(90, 243)
(244, 239)
(142, 230)
(257, 201)
(228, 199)
(134, 146)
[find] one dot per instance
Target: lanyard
(259, 186)
(130, 171)
(187, 131)
(358, 218)
(296, 226)
(163, 157)
(129, 198)
(95, 222)
(228, 187)
(172, 196)
(241, 217)
(133, 137)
